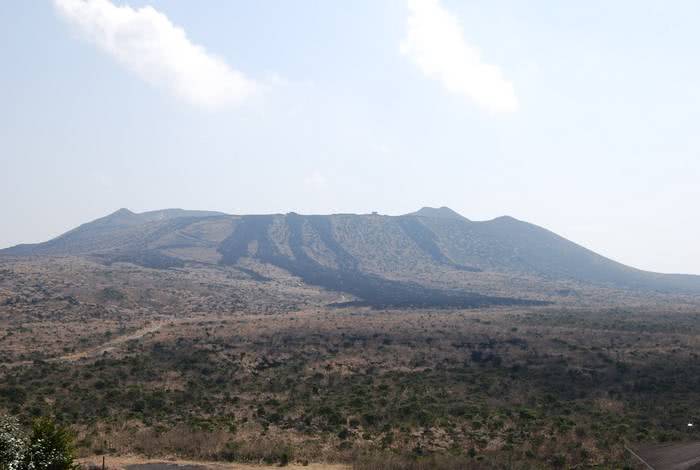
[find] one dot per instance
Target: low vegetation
(186, 364)
(47, 446)
(495, 387)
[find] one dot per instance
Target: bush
(11, 443)
(49, 447)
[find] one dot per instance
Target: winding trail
(670, 456)
(96, 351)
(109, 345)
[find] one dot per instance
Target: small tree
(49, 447)
(11, 443)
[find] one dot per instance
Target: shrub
(11, 443)
(49, 447)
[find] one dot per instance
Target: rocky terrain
(433, 257)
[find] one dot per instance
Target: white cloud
(435, 43)
(145, 41)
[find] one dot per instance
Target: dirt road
(670, 456)
(139, 463)
(98, 350)
(110, 345)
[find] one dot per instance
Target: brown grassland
(211, 364)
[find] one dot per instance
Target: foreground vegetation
(471, 388)
(47, 447)
(210, 364)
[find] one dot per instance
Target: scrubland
(217, 365)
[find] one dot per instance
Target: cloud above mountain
(148, 44)
(435, 43)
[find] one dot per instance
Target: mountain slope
(381, 259)
(437, 213)
(121, 230)
(506, 244)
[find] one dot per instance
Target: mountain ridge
(356, 253)
(443, 212)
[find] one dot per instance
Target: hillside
(429, 257)
(345, 338)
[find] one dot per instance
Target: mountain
(121, 231)
(433, 256)
(437, 213)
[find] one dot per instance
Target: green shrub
(11, 443)
(49, 447)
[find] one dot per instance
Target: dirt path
(140, 463)
(97, 350)
(670, 456)
(109, 345)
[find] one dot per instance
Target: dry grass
(122, 462)
(209, 365)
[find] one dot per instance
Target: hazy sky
(582, 117)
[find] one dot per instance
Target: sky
(581, 117)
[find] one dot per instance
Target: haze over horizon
(581, 119)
